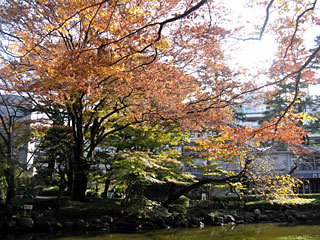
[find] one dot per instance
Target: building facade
(305, 167)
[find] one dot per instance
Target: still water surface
(241, 232)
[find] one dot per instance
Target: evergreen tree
(306, 106)
(316, 61)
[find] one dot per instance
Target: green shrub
(44, 204)
(313, 195)
(100, 207)
(91, 193)
(184, 201)
(298, 204)
(147, 209)
(180, 206)
(229, 202)
(50, 191)
(235, 198)
(205, 204)
(13, 207)
(177, 210)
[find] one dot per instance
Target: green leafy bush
(298, 204)
(147, 209)
(72, 209)
(180, 206)
(184, 201)
(50, 191)
(44, 204)
(13, 207)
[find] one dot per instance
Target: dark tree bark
(79, 186)
(70, 180)
(11, 186)
(81, 166)
(106, 187)
(200, 183)
(81, 169)
(235, 178)
(51, 168)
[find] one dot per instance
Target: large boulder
(257, 212)
(146, 226)
(257, 215)
(56, 226)
(82, 224)
(302, 217)
(68, 224)
(209, 220)
(42, 226)
(218, 220)
(98, 221)
(291, 219)
(160, 223)
(105, 227)
(184, 223)
(126, 224)
(106, 219)
(196, 222)
(229, 219)
(171, 221)
(264, 218)
(26, 223)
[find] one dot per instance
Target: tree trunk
(79, 186)
(198, 184)
(80, 178)
(234, 178)
(81, 166)
(81, 169)
(106, 187)
(51, 168)
(11, 186)
(70, 182)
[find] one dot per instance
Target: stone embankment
(128, 224)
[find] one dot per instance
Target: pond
(240, 232)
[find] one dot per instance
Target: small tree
(134, 170)
(14, 136)
(265, 178)
(54, 157)
(239, 145)
(306, 107)
(114, 64)
(153, 141)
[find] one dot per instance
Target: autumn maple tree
(110, 64)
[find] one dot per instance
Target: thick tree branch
(161, 24)
(297, 25)
(263, 28)
(62, 24)
(226, 179)
(297, 83)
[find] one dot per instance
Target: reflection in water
(241, 232)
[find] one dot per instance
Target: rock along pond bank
(97, 219)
